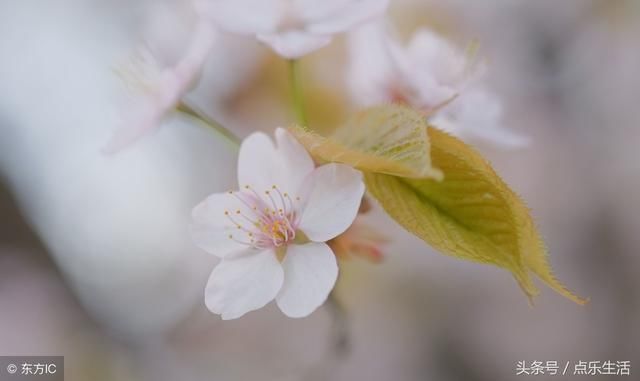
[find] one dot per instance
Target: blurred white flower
(271, 233)
(292, 28)
(158, 89)
(428, 74)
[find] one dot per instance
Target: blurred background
(96, 263)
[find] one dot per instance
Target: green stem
(296, 91)
(209, 122)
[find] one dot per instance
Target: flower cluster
(428, 73)
(279, 234)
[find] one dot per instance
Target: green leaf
(389, 139)
(471, 214)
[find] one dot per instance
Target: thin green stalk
(296, 92)
(209, 122)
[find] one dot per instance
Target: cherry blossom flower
(271, 234)
(429, 74)
(292, 28)
(158, 89)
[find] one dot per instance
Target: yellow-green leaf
(471, 214)
(389, 139)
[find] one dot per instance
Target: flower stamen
(269, 226)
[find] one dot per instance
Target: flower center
(268, 222)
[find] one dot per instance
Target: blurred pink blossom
(292, 28)
(158, 89)
(429, 74)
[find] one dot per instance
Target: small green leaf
(389, 139)
(471, 214)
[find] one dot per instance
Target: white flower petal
(296, 161)
(371, 73)
(432, 53)
(329, 17)
(332, 196)
(446, 124)
(261, 164)
(310, 272)
(211, 227)
(243, 283)
(314, 10)
(258, 163)
(427, 91)
(242, 16)
(293, 44)
(477, 113)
